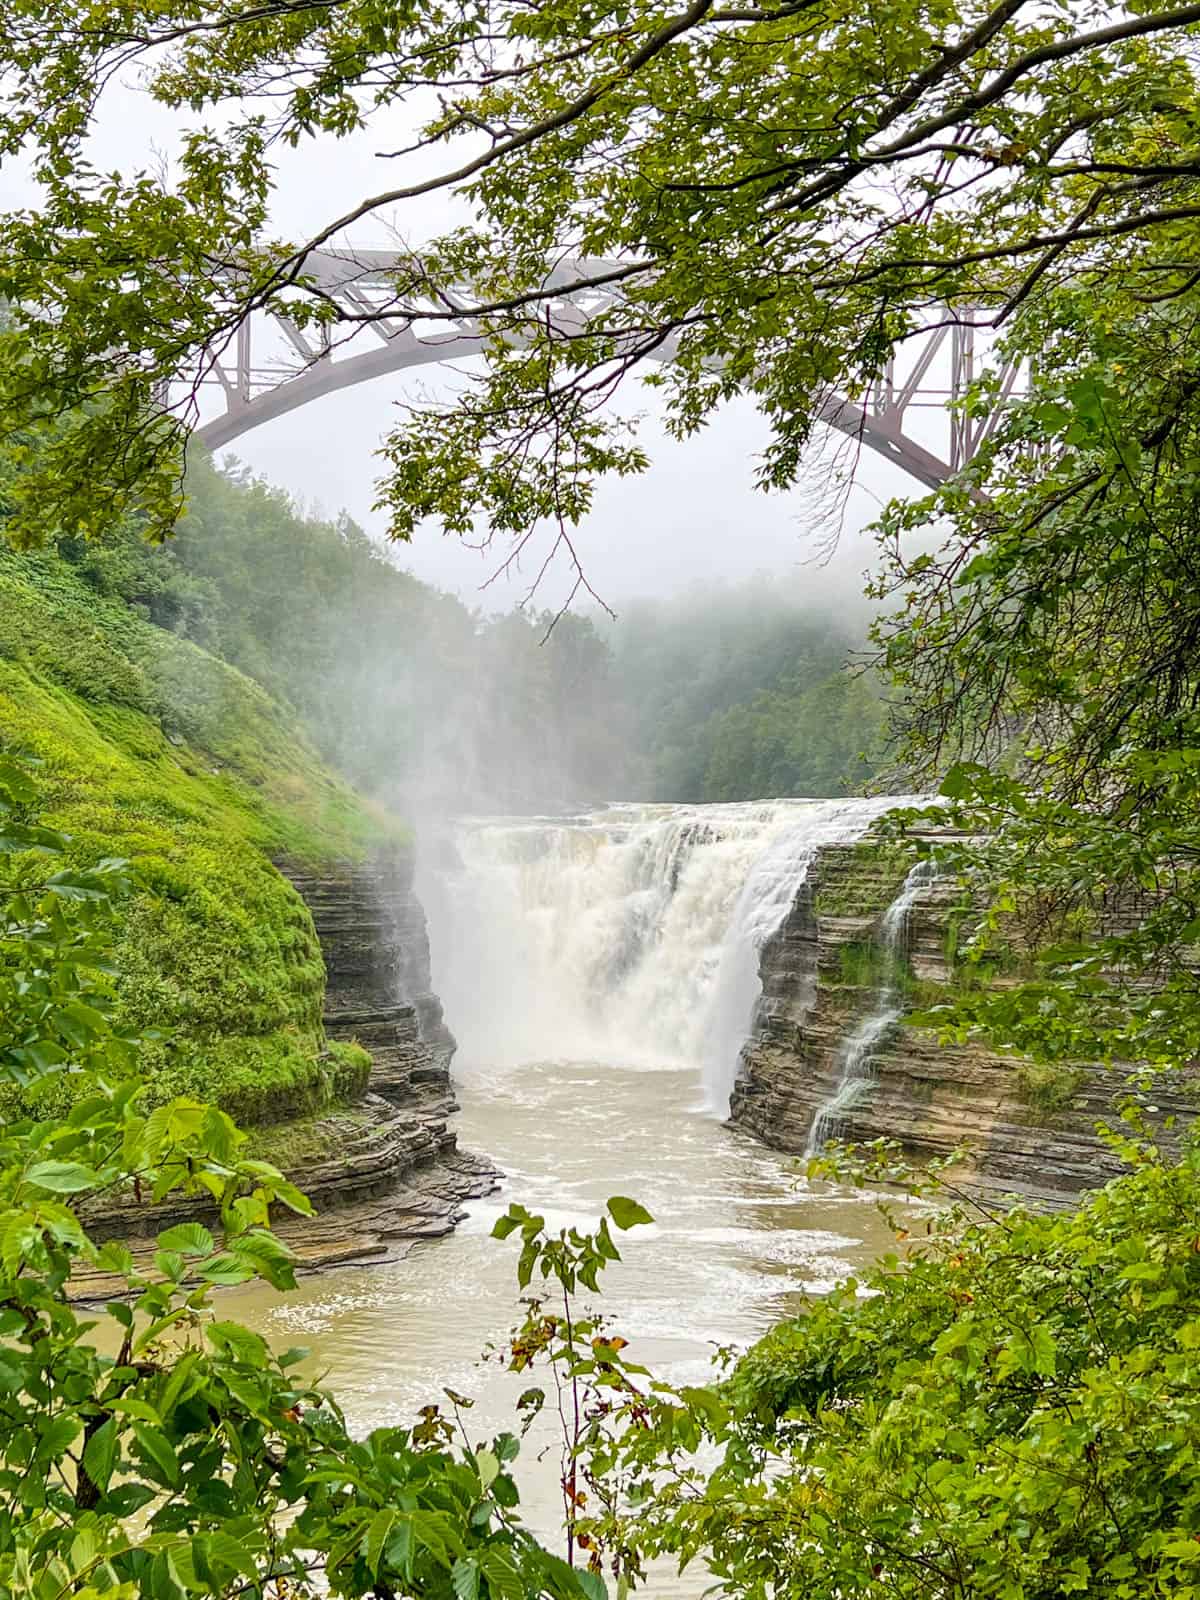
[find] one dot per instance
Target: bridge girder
(355, 280)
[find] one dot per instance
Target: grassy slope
(154, 750)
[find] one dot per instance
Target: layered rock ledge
(819, 984)
(385, 1171)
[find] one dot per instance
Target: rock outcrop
(378, 989)
(379, 995)
(1029, 1136)
(383, 1171)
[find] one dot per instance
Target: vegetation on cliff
(723, 694)
(153, 750)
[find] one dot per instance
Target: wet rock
(425, 1203)
(386, 1171)
(932, 1097)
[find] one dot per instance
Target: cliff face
(383, 1168)
(377, 986)
(1031, 1131)
(378, 996)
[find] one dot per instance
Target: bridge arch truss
(271, 366)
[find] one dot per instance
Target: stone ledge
(427, 1204)
(929, 1096)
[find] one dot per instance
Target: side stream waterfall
(858, 1052)
(628, 934)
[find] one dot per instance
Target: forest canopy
(782, 193)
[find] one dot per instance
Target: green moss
(861, 879)
(859, 964)
(302, 1143)
(1047, 1088)
(350, 1067)
(153, 750)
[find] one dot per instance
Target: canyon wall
(385, 1167)
(1031, 1130)
(382, 1167)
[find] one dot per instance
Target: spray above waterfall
(629, 934)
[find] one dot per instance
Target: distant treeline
(724, 695)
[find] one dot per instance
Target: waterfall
(857, 1055)
(626, 934)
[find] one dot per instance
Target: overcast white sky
(694, 515)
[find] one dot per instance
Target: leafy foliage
(1010, 1409)
(1048, 658)
(774, 192)
(596, 1385)
(155, 1449)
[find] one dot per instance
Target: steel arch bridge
(258, 387)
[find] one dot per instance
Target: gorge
(770, 949)
(616, 979)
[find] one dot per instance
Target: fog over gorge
(723, 691)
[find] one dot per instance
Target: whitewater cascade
(858, 1069)
(628, 934)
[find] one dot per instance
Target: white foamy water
(858, 1068)
(627, 934)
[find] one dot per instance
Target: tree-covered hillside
(743, 693)
(724, 694)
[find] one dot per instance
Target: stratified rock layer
(818, 986)
(385, 1172)
(378, 989)
(379, 995)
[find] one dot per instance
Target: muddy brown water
(737, 1242)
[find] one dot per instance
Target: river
(599, 972)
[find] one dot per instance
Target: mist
(722, 691)
(695, 515)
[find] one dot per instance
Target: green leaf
(62, 1177)
(378, 1533)
(225, 1268)
(58, 1435)
(242, 1343)
(627, 1213)
(115, 1257)
(1045, 1351)
(216, 1557)
(464, 1578)
(189, 1238)
(157, 1449)
(100, 1454)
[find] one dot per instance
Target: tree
(1048, 658)
(1010, 1410)
(774, 193)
